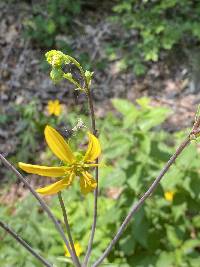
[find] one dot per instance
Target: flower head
(77, 248)
(56, 58)
(169, 196)
(54, 107)
(74, 166)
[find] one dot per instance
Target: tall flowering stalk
(57, 60)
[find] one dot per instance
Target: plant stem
(62, 205)
(91, 108)
(93, 124)
(24, 244)
(141, 201)
(43, 205)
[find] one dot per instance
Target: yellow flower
(169, 195)
(74, 166)
(54, 107)
(77, 248)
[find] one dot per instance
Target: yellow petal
(57, 110)
(55, 187)
(77, 248)
(43, 170)
(57, 102)
(58, 145)
(94, 148)
(50, 107)
(169, 195)
(87, 183)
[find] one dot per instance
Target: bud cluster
(57, 60)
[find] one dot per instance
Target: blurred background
(146, 61)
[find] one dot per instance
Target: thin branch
(62, 205)
(93, 123)
(43, 205)
(141, 201)
(24, 244)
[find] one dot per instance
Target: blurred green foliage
(161, 26)
(31, 122)
(153, 29)
(31, 119)
(135, 148)
(50, 18)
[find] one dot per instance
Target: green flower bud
(88, 75)
(56, 75)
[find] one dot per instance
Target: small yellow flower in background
(54, 107)
(74, 166)
(77, 248)
(169, 196)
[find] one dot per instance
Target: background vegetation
(154, 29)
(135, 138)
(163, 233)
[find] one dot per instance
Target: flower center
(77, 167)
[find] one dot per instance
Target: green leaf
(51, 27)
(189, 246)
(140, 228)
(196, 221)
(153, 117)
(129, 120)
(194, 262)
(169, 182)
(120, 145)
(173, 237)
(112, 177)
(145, 144)
(179, 211)
(124, 107)
(134, 180)
(127, 244)
(165, 259)
(144, 102)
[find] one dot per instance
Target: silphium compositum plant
(78, 164)
(74, 164)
